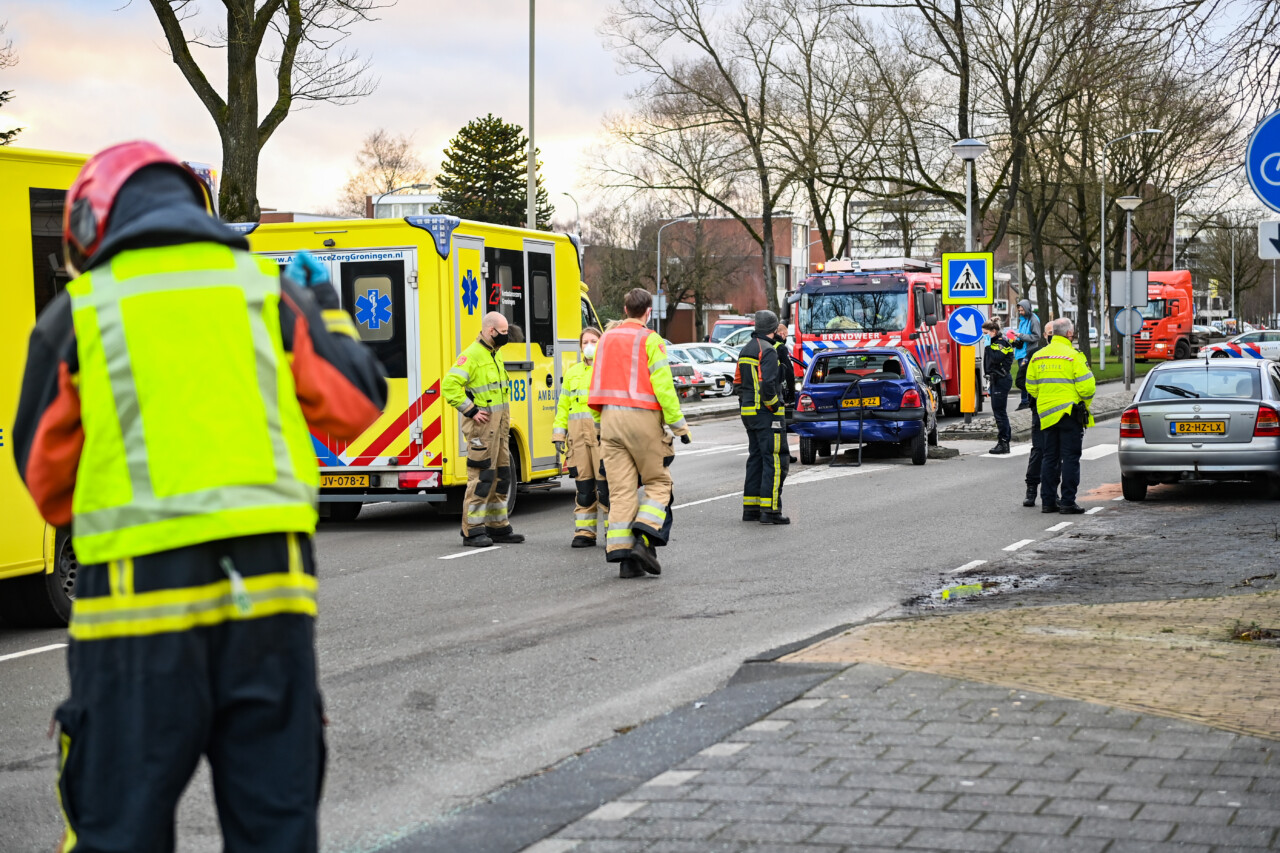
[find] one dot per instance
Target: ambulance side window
(504, 292)
(51, 276)
(542, 327)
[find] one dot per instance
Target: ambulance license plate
(1198, 428)
(344, 481)
(867, 402)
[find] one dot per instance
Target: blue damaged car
(883, 387)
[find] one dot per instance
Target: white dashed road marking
(1021, 543)
(1016, 450)
(32, 651)
(972, 564)
(469, 552)
(1098, 451)
(1095, 510)
(1061, 525)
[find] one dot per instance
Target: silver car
(1212, 420)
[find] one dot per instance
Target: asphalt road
(450, 672)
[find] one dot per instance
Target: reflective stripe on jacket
(622, 378)
(193, 431)
(758, 375)
(1058, 377)
(478, 379)
(572, 404)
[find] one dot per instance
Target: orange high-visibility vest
(621, 373)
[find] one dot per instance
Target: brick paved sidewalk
(881, 757)
(878, 758)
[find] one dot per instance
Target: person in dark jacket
(1028, 341)
(786, 377)
(1036, 456)
(763, 414)
(997, 364)
(165, 414)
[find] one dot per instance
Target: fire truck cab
(876, 302)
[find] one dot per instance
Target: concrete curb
(1105, 407)
(712, 411)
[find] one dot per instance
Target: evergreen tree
(485, 175)
(6, 136)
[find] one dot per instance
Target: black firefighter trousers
(768, 459)
(144, 709)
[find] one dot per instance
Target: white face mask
(589, 352)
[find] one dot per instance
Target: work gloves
(314, 276)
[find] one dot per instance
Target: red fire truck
(876, 303)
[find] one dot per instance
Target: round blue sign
(1262, 162)
(965, 325)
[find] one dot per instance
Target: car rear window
(1192, 382)
(846, 368)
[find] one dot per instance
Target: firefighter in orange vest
(632, 389)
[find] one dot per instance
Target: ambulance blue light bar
(440, 228)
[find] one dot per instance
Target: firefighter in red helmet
(164, 416)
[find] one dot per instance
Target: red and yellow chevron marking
(390, 435)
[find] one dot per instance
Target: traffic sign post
(1128, 321)
(965, 327)
(1269, 241)
(968, 278)
(1137, 297)
(1262, 161)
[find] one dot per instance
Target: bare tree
(384, 162)
(8, 59)
(709, 84)
(301, 39)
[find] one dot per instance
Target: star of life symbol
(967, 282)
(470, 292)
(373, 309)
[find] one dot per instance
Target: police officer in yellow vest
(164, 415)
(478, 387)
(577, 431)
(1059, 379)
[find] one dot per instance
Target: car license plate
(344, 481)
(1146, 336)
(867, 402)
(1198, 428)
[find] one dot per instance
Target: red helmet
(91, 197)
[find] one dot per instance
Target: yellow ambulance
(37, 564)
(418, 288)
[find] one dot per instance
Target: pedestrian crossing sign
(967, 278)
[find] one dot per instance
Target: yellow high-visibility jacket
(477, 381)
(572, 404)
(1058, 377)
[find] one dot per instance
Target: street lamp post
(968, 150)
(531, 186)
(1128, 204)
(396, 190)
(577, 216)
(657, 277)
(1103, 284)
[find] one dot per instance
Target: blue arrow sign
(1262, 162)
(965, 325)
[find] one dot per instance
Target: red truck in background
(1166, 321)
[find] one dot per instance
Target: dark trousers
(1000, 407)
(1022, 382)
(1062, 445)
(768, 459)
(144, 709)
(1036, 457)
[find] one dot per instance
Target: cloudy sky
(94, 72)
